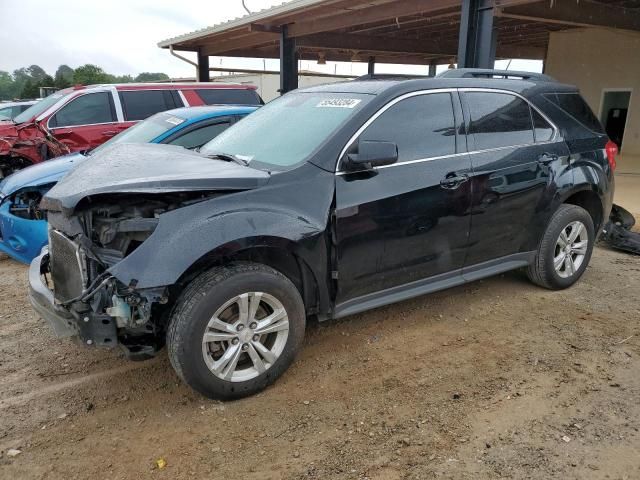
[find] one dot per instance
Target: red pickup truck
(81, 118)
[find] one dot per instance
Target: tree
(7, 86)
(122, 79)
(89, 74)
(64, 77)
(151, 77)
(37, 74)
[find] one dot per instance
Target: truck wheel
(235, 330)
(565, 249)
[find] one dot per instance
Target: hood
(40, 174)
(149, 168)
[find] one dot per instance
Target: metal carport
(472, 33)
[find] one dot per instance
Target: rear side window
(88, 109)
(422, 127)
(200, 136)
(574, 105)
(228, 96)
(543, 130)
(141, 104)
(499, 120)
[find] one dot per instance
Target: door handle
(453, 181)
(110, 133)
(547, 158)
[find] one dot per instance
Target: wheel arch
(587, 198)
(278, 253)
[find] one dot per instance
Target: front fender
(186, 235)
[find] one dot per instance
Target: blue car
(23, 228)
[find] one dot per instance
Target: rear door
(229, 96)
(514, 150)
(86, 121)
(410, 220)
(139, 105)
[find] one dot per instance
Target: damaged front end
(25, 144)
(88, 300)
(102, 215)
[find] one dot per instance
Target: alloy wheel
(571, 249)
(245, 336)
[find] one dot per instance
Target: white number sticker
(339, 103)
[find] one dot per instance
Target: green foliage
(64, 77)
(26, 82)
(90, 74)
(151, 77)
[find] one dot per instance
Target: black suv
(326, 202)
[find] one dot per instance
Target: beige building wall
(269, 83)
(601, 59)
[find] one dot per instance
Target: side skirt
(433, 284)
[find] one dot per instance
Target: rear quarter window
(229, 96)
(574, 105)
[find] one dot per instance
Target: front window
(146, 131)
(38, 108)
(286, 131)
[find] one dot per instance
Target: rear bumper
(41, 298)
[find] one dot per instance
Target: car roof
(389, 85)
(210, 111)
(175, 86)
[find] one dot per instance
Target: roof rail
(490, 73)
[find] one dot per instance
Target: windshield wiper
(227, 157)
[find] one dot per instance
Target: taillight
(612, 150)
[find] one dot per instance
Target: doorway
(614, 112)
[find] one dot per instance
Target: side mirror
(373, 154)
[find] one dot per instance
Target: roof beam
(350, 18)
(374, 44)
(370, 43)
(583, 14)
(251, 40)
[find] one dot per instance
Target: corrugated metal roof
(285, 7)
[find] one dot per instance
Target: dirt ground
(496, 379)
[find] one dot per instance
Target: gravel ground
(495, 379)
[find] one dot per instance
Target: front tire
(235, 330)
(565, 249)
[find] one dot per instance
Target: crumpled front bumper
(94, 329)
(41, 298)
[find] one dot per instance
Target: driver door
(408, 221)
(86, 121)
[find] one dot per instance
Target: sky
(121, 36)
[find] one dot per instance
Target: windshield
(286, 131)
(6, 113)
(145, 131)
(37, 108)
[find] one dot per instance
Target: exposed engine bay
(83, 248)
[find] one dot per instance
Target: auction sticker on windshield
(339, 103)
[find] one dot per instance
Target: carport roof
(399, 31)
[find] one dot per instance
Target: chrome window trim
(85, 124)
(553, 139)
(183, 98)
(383, 109)
(66, 98)
(531, 105)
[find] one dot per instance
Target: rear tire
(565, 249)
(235, 330)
